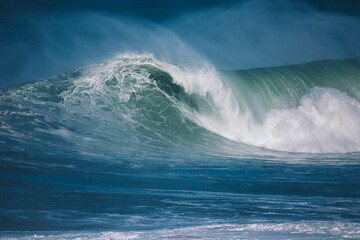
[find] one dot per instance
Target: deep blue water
(142, 126)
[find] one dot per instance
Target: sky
(41, 38)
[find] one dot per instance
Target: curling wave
(139, 100)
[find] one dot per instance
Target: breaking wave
(140, 100)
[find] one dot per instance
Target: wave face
(137, 99)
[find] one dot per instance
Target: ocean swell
(134, 100)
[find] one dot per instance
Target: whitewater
(136, 147)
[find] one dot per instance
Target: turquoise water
(135, 147)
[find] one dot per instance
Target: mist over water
(63, 43)
(269, 33)
(39, 42)
(187, 120)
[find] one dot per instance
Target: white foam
(301, 230)
(326, 120)
(75, 235)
